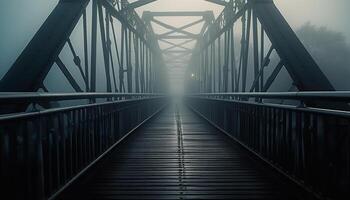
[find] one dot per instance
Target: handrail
(35, 97)
(314, 95)
(23, 115)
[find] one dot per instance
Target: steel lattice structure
(118, 75)
(128, 55)
(221, 67)
(134, 63)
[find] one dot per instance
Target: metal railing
(341, 96)
(38, 97)
(309, 145)
(42, 152)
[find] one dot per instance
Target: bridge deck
(177, 155)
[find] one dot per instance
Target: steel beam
(218, 2)
(86, 53)
(142, 30)
(183, 27)
(68, 75)
(177, 37)
(104, 48)
(178, 13)
(246, 52)
(229, 22)
(256, 50)
(273, 76)
(136, 4)
(177, 51)
(301, 66)
(31, 67)
(93, 46)
(175, 29)
(173, 45)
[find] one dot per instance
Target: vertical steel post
(226, 61)
(142, 67)
(121, 67)
(129, 66)
(146, 71)
(256, 51)
(262, 48)
(206, 70)
(109, 49)
(93, 45)
(212, 61)
(219, 63)
(233, 60)
(104, 47)
(246, 52)
(86, 53)
(150, 72)
(136, 46)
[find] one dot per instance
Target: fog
(20, 19)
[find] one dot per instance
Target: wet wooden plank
(177, 155)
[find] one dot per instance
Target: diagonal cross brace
(31, 67)
(183, 27)
(179, 30)
(136, 4)
(180, 45)
(303, 69)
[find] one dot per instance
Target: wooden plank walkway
(178, 155)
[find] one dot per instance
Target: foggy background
(322, 25)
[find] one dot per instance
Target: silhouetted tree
(331, 52)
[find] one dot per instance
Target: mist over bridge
(222, 134)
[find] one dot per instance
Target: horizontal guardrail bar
(21, 115)
(33, 97)
(316, 95)
(339, 113)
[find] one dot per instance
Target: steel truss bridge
(118, 134)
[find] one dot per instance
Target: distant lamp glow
(192, 75)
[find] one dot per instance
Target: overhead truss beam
(174, 29)
(179, 30)
(136, 4)
(182, 54)
(179, 13)
(218, 2)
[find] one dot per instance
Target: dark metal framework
(177, 54)
(309, 145)
(220, 64)
(52, 147)
(132, 60)
(127, 59)
(43, 152)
